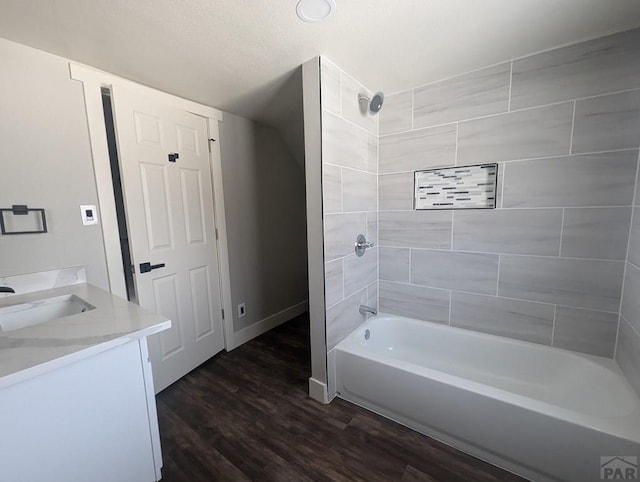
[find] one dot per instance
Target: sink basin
(19, 316)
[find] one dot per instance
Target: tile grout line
(504, 181)
(341, 192)
(343, 291)
(573, 127)
(498, 276)
(455, 160)
(453, 217)
(377, 137)
(510, 85)
(355, 169)
(340, 87)
(413, 108)
(561, 233)
(624, 272)
(553, 326)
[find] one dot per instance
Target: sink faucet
(6, 289)
(364, 309)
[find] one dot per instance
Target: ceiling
(242, 56)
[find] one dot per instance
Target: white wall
(315, 235)
(45, 162)
(264, 195)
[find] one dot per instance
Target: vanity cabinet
(92, 420)
(77, 399)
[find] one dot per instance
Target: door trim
(93, 81)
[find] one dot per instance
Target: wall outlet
(242, 310)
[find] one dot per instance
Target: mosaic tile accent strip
(460, 187)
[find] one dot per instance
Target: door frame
(93, 80)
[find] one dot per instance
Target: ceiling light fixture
(315, 10)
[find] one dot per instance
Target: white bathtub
(541, 412)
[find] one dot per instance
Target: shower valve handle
(361, 245)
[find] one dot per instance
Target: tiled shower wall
(548, 264)
(350, 201)
(628, 349)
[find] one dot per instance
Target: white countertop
(34, 350)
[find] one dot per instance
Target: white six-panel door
(170, 218)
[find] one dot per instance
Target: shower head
(373, 104)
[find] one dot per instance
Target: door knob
(146, 267)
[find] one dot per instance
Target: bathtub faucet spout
(364, 309)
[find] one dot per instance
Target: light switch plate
(89, 214)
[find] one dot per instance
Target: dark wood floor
(246, 415)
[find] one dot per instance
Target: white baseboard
(318, 391)
(244, 335)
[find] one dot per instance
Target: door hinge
(217, 234)
(223, 314)
(209, 143)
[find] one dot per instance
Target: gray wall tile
(397, 112)
(343, 143)
(331, 188)
(394, 264)
(544, 131)
(637, 196)
(477, 273)
(395, 191)
(372, 295)
(414, 301)
(415, 229)
(352, 109)
(329, 86)
(499, 184)
(581, 180)
(475, 94)
(592, 332)
(628, 354)
(372, 227)
(515, 231)
(344, 317)
(359, 272)
(600, 233)
(631, 296)
(359, 191)
(340, 232)
(372, 153)
(570, 282)
(419, 149)
(607, 122)
(634, 242)
(522, 320)
(333, 282)
(607, 64)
